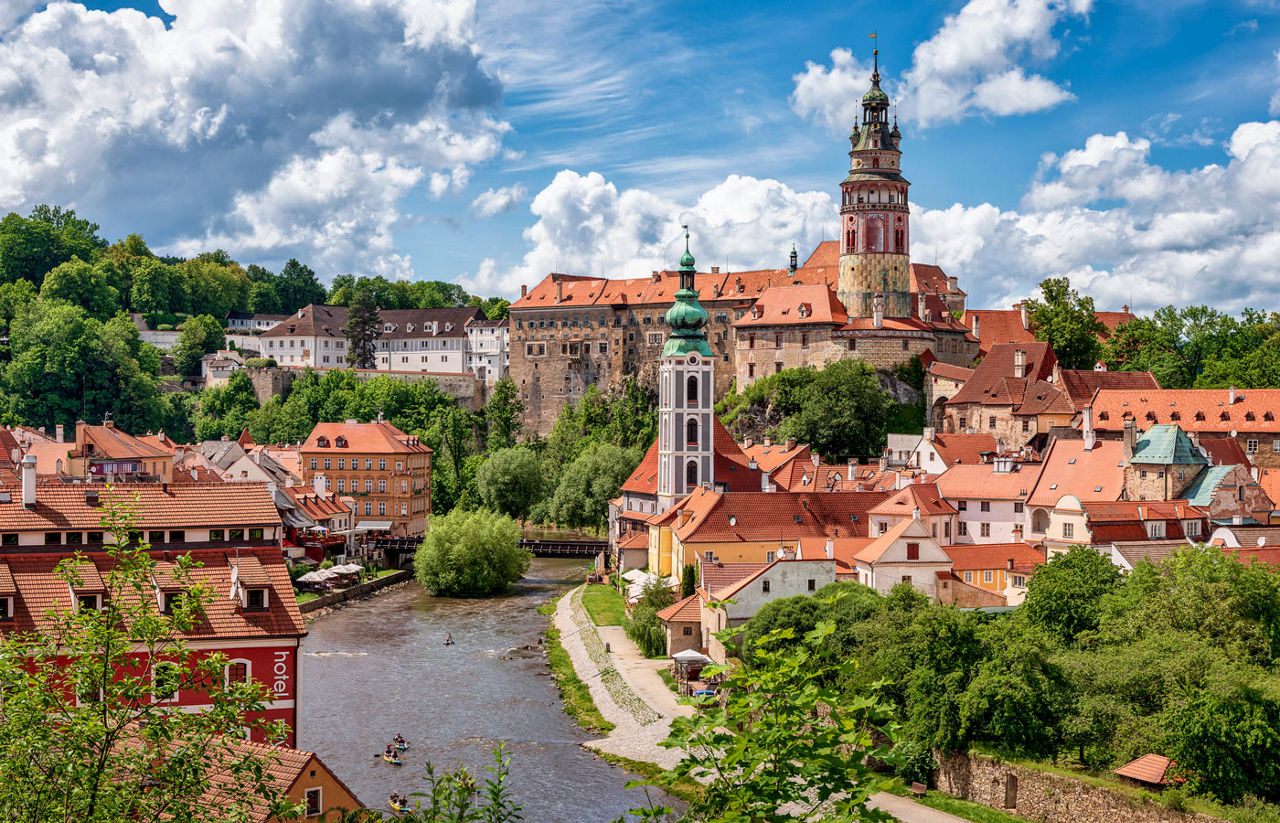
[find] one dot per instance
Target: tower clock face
(693, 360)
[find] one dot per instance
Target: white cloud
(272, 127)
(587, 226)
(973, 65)
(492, 202)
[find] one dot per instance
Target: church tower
(874, 218)
(686, 438)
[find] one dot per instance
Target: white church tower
(686, 447)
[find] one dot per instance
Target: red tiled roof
(962, 448)
(926, 278)
(40, 590)
(688, 610)
(1080, 384)
(1096, 475)
(715, 577)
(160, 441)
(826, 254)
(47, 456)
(1193, 410)
(795, 305)
(1125, 520)
(112, 443)
(639, 540)
(285, 766)
(772, 515)
(62, 506)
(317, 507)
(770, 457)
(317, 320)
(366, 438)
(993, 381)
(1225, 451)
(731, 466)
(917, 496)
(982, 556)
(983, 482)
(949, 372)
(1150, 768)
(1005, 326)
(843, 549)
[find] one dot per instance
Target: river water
(379, 667)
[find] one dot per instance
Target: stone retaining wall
(1048, 798)
(356, 592)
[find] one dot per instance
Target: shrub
(260, 363)
(471, 553)
(647, 631)
(916, 762)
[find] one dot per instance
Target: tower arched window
(691, 475)
(691, 390)
(691, 432)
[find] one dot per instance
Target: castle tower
(685, 386)
(874, 217)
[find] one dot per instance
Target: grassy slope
(604, 604)
(574, 694)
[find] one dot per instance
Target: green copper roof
(1165, 444)
(686, 317)
(1200, 492)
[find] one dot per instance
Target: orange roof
(827, 254)
(1005, 326)
(760, 516)
(1150, 768)
(1193, 410)
(639, 540)
(843, 549)
(716, 577)
(40, 590)
(47, 456)
(983, 556)
(644, 480)
(949, 372)
(285, 766)
(926, 278)
(1089, 475)
(688, 610)
(769, 456)
(871, 552)
(112, 443)
(63, 506)
(802, 475)
(983, 482)
(317, 507)
(160, 441)
(379, 437)
(1225, 451)
(922, 497)
(1123, 510)
(962, 448)
(795, 305)
(993, 381)
(1080, 384)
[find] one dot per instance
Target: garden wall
(357, 592)
(1048, 798)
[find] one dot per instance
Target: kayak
(394, 760)
(448, 642)
(404, 747)
(396, 807)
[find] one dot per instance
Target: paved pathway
(909, 811)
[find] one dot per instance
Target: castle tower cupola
(686, 318)
(874, 215)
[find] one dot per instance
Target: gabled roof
(1005, 325)
(316, 320)
(1201, 490)
(373, 438)
(962, 448)
(946, 371)
(1197, 410)
(772, 455)
(1089, 475)
(716, 577)
(921, 497)
(1135, 551)
(932, 279)
(1225, 451)
(1080, 384)
(70, 507)
(795, 305)
(644, 480)
(284, 766)
(762, 516)
(688, 610)
(873, 551)
(983, 482)
(1150, 768)
(983, 556)
(108, 442)
(1165, 445)
(994, 382)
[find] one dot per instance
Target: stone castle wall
(1048, 798)
(862, 275)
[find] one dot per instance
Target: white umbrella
(691, 656)
(317, 576)
(634, 575)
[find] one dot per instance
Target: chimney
(831, 549)
(746, 444)
(1010, 564)
(953, 284)
(1017, 533)
(976, 332)
(920, 307)
(317, 483)
(1086, 425)
(682, 517)
(790, 444)
(559, 292)
(1026, 320)
(1231, 396)
(1130, 438)
(768, 441)
(929, 432)
(1019, 363)
(1124, 309)
(915, 513)
(60, 433)
(884, 462)
(715, 269)
(29, 481)
(288, 481)
(877, 310)
(1237, 520)
(524, 290)
(850, 474)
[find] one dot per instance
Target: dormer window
(170, 601)
(408, 327)
(89, 602)
(255, 599)
(1200, 415)
(322, 442)
(6, 609)
(340, 442)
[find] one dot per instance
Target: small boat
(404, 747)
(395, 807)
(396, 761)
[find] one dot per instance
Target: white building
(488, 349)
(246, 321)
(990, 499)
(739, 602)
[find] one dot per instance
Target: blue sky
(1130, 145)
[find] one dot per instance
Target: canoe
(404, 747)
(397, 761)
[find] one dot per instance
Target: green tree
(762, 757)
(470, 554)
(842, 412)
(1064, 597)
(198, 336)
(688, 580)
(589, 483)
(83, 285)
(157, 287)
(1224, 741)
(1067, 322)
(363, 327)
(510, 482)
(503, 415)
(297, 286)
(215, 284)
(118, 754)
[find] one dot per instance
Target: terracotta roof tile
(771, 515)
(949, 372)
(963, 448)
(112, 443)
(688, 610)
(644, 480)
(917, 496)
(983, 482)
(716, 577)
(993, 381)
(843, 549)
(1193, 410)
(1005, 326)
(1095, 475)
(982, 556)
(1225, 451)
(1150, 768)
(366, 438)
(1080, 384)
(795, 305)
(770, 457)
(63, 506)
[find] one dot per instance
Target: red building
(253, 617)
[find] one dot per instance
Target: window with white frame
(164, 681)
(314, 804)
(1068, 530)
(988, 576)
(985, 529)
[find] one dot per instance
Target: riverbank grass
(685, 788)
(604, 604)
(575, 697)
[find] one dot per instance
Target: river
(379, 667)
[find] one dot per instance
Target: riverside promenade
(628, 692)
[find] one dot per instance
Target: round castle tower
(874, 217)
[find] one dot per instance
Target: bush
(165, 327)
(647, 631)
(1175, 800)
(471, 553)
(916, 763)
(260, 363)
